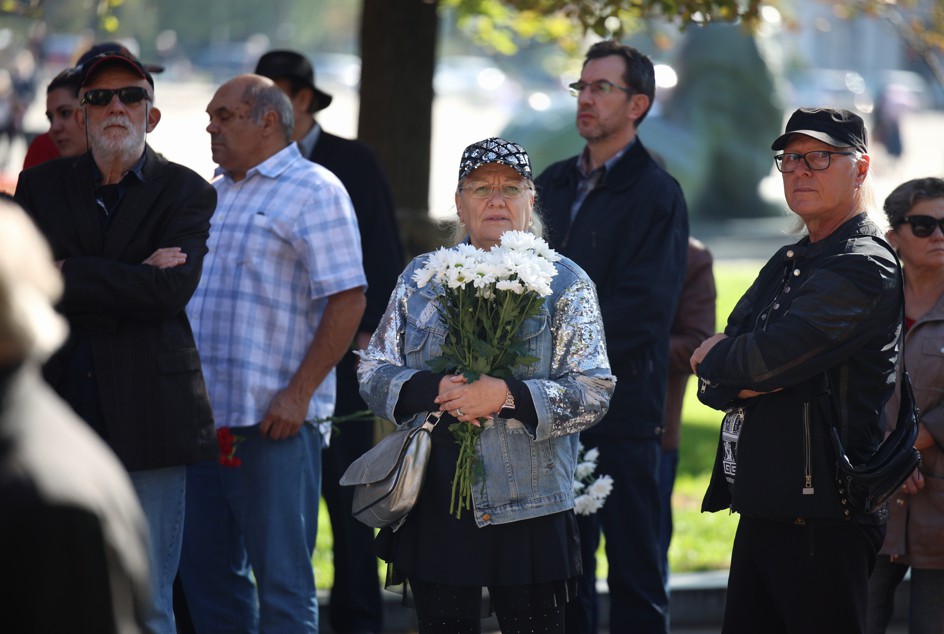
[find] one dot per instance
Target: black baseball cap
(837, 127)
(292, 65)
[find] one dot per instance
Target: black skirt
(434, 547)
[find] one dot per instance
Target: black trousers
(355, 603)
(795, 578)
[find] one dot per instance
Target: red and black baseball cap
(114, 54)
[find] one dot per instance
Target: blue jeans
(250, 536)
(668, 466)
(161, 493)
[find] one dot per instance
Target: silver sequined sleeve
(577, 393)
(382, 369)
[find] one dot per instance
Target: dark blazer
(631, 237)
(357, 167)
(154, 404)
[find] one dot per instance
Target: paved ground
(697, 605)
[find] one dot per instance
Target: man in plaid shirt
(280, 300)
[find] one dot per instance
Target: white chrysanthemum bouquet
(484, 297)
(590, 491)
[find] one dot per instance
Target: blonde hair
(29, 287)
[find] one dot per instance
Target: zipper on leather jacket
(807, 452)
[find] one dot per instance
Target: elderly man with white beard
(128, 230)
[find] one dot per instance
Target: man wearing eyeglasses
(128, 230)
(622, 218)
(810, 348)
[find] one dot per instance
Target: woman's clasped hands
(471, 402)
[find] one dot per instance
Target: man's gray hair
(270, 98)
(29, 287)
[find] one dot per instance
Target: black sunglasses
(922, 226)
(102, 96)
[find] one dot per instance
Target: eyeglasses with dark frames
(922, 226)
(817, 160)
(507, 191)
(102, 96)
(598, 87)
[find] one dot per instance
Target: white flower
(423, 276)
(519, 240)
(484, 274)
(458, 276)
(584, 470)
(601, 488)
(587, 505)
(591, 491)
(544, 250)
(513, 286)
(582, 504)
(453, 259)
(468, 251)
(534, 279)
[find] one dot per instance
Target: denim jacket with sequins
(528, 472)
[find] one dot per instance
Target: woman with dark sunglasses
(916, 515)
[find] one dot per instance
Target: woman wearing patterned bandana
(520, 540)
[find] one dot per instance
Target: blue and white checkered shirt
(282, 240)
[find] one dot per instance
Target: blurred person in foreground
(74, 555)
(915, 212)
(128, 230)
(815, 334)
(520, 539)
(616, 213)
(694, 322)
(355, 604)
(277, 309)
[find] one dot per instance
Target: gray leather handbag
(388, 478)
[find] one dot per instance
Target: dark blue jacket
(357, 167)
(631, 237)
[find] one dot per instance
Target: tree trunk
(398, 57)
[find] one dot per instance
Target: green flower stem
(466, 436)
(481, 339)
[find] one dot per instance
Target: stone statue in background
(726, 100)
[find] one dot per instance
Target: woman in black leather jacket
(811, 344)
